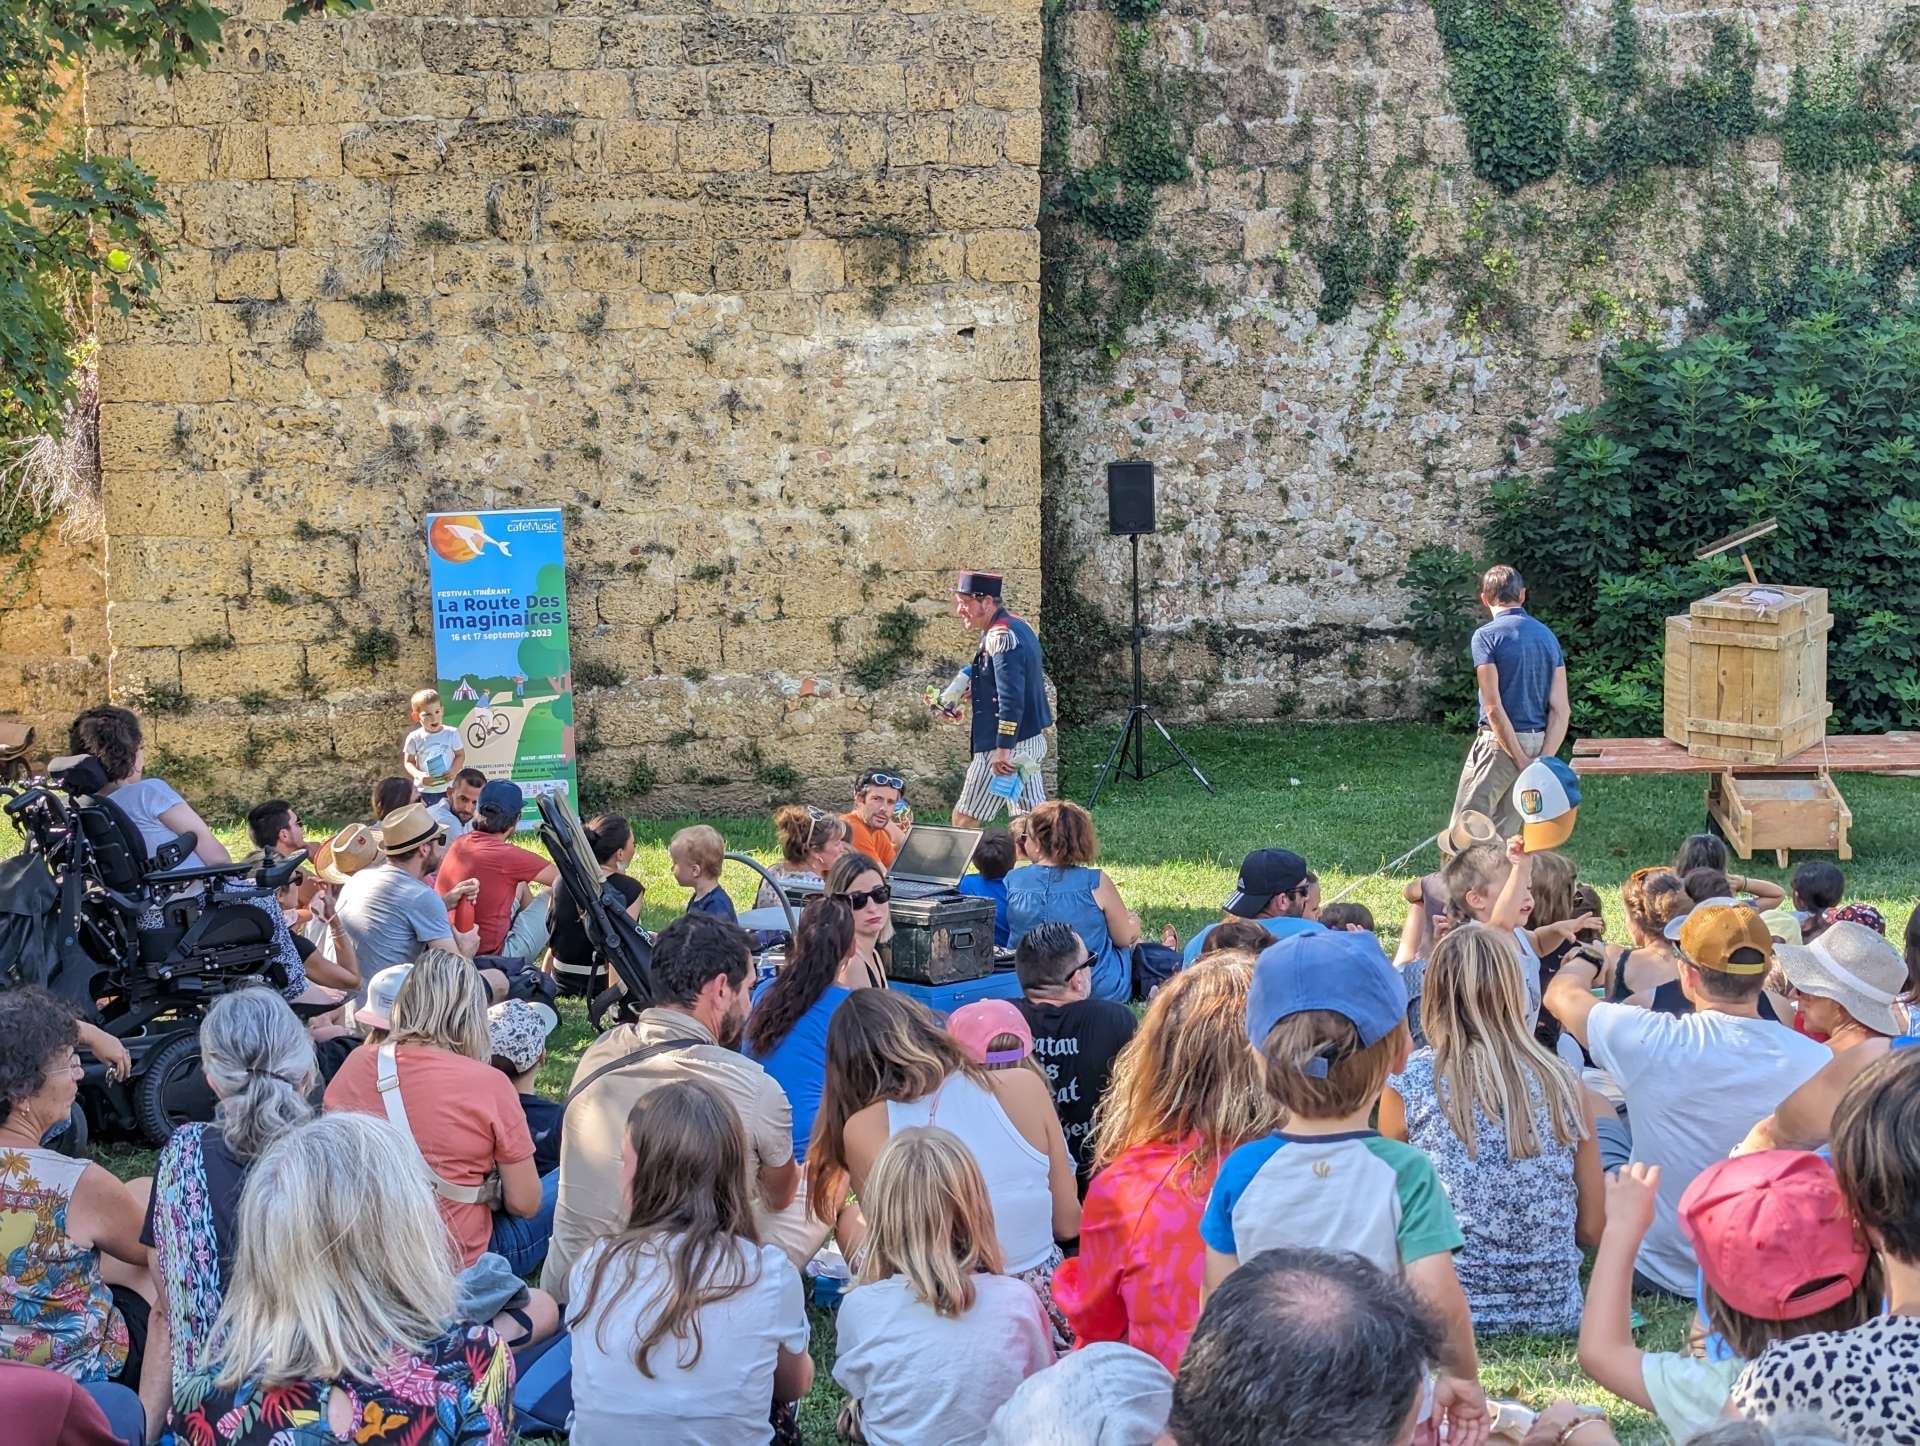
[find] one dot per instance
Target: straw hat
(1469, 827)
(408, 828)
(1855, 968)
(346, 853)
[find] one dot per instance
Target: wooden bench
(1792, 804)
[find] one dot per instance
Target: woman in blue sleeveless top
(1060, 885)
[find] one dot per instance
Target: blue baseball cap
(502, 796)
(1347, 974)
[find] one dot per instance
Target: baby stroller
(130, 939)
(617, 941)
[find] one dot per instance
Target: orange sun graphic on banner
(461, 537)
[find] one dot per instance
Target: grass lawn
(1349, 797)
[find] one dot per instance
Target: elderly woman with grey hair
(259, 1061)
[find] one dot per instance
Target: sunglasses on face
(885, 780)
(860, 900)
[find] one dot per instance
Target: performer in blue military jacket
(1010, 711)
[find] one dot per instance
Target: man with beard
(455, 811)
(703, 974)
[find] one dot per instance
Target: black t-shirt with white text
(1074, 1045)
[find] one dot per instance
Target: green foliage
(897, 639)
(1506, 60)
(777, 778)
(368, 648)
(592, 673)
(1813, 419)
(1833, 119)
(1101, 271)
(1650, 120)
(1357, 254)
(159, 698)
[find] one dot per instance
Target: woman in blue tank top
(1061, 886)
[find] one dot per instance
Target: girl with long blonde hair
(891, 1066)
(684, 1324)
(1510, 1132)
(934, 1338)
(1186, 1091)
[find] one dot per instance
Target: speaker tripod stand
(1133, 732)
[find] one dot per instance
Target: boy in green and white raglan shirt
(1329, 1013)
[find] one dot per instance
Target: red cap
(1773, 1236)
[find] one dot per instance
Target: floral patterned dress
(55, 1310)
(458, 1392)
(186, 1247)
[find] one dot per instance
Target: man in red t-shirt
(510, 920)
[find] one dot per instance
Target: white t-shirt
(721, 1399)
(455, 825)
(434, 753)
(1694, 1085)
(920, 1376)
(143, 803)
(1529, 973)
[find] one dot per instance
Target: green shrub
(1808, 419)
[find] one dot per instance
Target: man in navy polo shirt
(1523, 699)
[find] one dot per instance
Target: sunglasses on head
(885, 780)
(863, 897)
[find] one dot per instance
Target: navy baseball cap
(1264, 873)
(502, 796)
(1347, 974)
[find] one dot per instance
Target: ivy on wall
(1506, 60)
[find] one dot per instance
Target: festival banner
(499, 583)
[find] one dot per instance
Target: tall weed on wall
(1812, 419)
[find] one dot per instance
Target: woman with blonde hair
(890, 1066)
(1510, 1132)
(259, 1061)
(433, 1079)
(933, 1338)
(1186, 1091)
(685, 1326)
(342, 1307)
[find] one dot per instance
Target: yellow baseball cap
(1728, 939)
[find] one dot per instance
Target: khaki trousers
(1486, 779)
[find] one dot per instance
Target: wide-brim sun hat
(1855, 968)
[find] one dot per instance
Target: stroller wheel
(171, 1091)
(610, 1007)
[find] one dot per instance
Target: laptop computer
(931, 860)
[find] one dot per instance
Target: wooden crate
(1780, 812)
(1746, 673)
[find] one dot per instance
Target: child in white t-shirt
(1492, 884)
(432, 753)
(685, 1327)
(1779, 1258)
(934, 1338)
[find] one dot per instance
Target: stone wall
(1301, 460)
(751, 294)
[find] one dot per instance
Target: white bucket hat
(1855, 968)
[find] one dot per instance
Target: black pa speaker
(1129, 497)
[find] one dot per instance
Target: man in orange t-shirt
(875, 829)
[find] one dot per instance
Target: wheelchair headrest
(78, 773)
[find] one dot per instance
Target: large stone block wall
(750, 292)
(1300, 461)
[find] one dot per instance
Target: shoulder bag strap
(387, 1075)
(638, 1056)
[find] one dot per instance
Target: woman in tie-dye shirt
(1185, 1092)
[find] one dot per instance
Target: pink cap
(976, 1025)
(1773, 1234)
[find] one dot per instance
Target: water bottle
(830, 1276)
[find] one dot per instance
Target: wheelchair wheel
(171, 1091)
